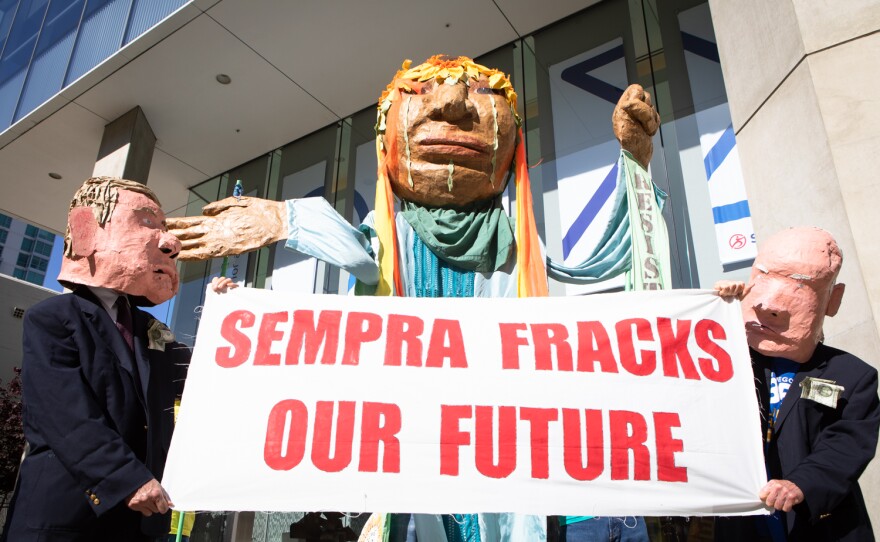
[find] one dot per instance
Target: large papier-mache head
(792, 289)
(448, 129)
(446, 137)
(116, 238)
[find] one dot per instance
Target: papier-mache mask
(792, 290)
(116, 238)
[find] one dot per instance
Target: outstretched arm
(308, 225)
(230, 226)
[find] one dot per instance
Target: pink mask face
(133, 253)
(792, 290)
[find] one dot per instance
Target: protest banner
(637, 403)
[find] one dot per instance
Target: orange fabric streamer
(531, 278)
(386, 229)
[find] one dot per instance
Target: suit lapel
(106, 331)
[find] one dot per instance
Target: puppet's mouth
(446, 144)
(758, 327)
(160, 271)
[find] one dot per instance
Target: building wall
(15, 294)
(801, 78)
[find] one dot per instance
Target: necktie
(123, 321)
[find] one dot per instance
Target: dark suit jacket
(823, 450)
(97, 420)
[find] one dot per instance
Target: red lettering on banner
(452, 437)
(510, 343)
(573, 444)
(276, 455)
(305, 333)
(289, 421)
(674, 346)
(485, 441)
(626, 346)
(539, 435)
(360, 328)
(722, 369)
(667, 470)
(381, 423)
(628, 431)
(404, 330)
(225, 356)
(341, 457)
(584, 459)
(446, 343)
(268, 334)
(550, 337)
(594, 346)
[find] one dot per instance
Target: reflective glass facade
(48, 44)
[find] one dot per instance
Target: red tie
(123, 321)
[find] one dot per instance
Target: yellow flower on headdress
(441, 68)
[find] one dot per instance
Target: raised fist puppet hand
(635, 121)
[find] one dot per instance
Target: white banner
(636, 403)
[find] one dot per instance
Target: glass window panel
(306, 170)
(147, 13)
(35, 278)
(3, 234)
(40, 264)
(99, 37)
(46, 235)
(17, 55)
(27, 245)
(5, 221)
(7, 14)
(19, 273)
(52, 55)
(43, 248)
(31, 231)
(23, 259)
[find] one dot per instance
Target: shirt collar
(107, 297)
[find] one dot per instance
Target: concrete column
(127, 148)
(802, 79)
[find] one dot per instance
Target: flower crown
(441, 68)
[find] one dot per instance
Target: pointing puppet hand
(635, 121)
(228, 227)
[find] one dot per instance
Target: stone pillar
(802, 79)
(127, 148)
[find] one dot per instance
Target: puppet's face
(454, 141)
(792, 290)
(133, 253)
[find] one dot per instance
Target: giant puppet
(448, 139)
(820, 412)
(100, 377)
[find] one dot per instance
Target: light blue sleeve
(315, 229)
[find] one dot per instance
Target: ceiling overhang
(295, 67)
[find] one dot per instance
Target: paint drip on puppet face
(449, 143)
